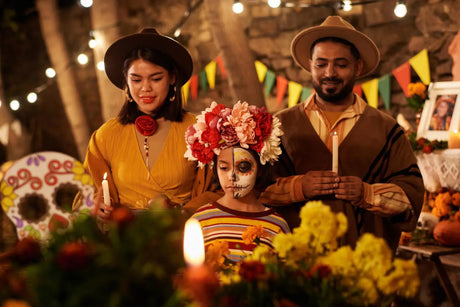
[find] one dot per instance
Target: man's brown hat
(148, 38)
(335, 26)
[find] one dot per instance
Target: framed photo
(441, 112)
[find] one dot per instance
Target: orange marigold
(215, 254)
(417, 88)
(252, 233)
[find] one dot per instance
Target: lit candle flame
(193, 243)
(105, 176)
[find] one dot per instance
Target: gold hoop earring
(173, 96)
(127, 95)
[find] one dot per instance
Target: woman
(239, 141)
(141, 152)
(442, 114)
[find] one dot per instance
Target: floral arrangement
(134, 264)
(307, 268)
(425, 145)
(417, 95)
(219, 127)
(445, 204)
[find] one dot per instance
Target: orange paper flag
(402, 75)
(194, 86)
(358, 89)
(281, 87)
(220, 63)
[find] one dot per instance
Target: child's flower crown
(219, 127)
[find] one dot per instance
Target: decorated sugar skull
(38, 190)
(427, 222)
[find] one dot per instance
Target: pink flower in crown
(244, 124)
(190, 135)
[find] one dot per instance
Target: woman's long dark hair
(170, 110)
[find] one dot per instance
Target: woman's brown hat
(335, 26)
(148, 38)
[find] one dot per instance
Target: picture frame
(441, 112)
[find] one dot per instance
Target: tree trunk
(233, 47)
(57, 51)
(15, 138)
(104, 19)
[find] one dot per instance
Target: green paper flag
(385, 90)
(203, 81)
(306, 92)
(269, 82)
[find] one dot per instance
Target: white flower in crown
(271, 149)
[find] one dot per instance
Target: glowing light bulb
(82, 59)
(274, 3)
(346, 5)
(86, 3)
(400, 9)
(50, 73)
(177, 32)
(237, 7)
(32, 97)
(14, 105)
(100, 66)
(92, 43)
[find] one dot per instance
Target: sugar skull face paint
(237, 171)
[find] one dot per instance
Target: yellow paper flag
(185, 88)
(294, 89)
(421, 66)
(211, 73)
(371, 90)
(261, 70)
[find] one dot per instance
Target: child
(239, 141)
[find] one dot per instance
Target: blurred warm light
(50, 73)
(82, 59)
(0, 103)
(92, 43)
(237, 7)
(14, 105)
(193, 243)
(86, 3)
(346, 5)
(274, 3)
(400, 9)
(32, 97)
(100, 66)
(177, 32)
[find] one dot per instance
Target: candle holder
(441, 168)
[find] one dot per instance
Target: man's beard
(333, 97)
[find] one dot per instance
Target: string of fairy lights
(238, 7)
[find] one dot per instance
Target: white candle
(193, 243)
(105, 190)
(335, 153)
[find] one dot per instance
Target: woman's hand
(100, 210)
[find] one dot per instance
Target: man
(378, 184)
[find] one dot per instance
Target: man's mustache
(331, 80)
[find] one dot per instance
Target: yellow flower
(322, 226)
(252, 233)
(340, 262)
(403, 279)
(417, 88)
(372, 256)
(370, 293)
(291, 247)
(80, 174)
(215, 254)
(262, 253)
(8, 196)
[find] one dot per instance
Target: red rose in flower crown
(146, 125)
(219, 127)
